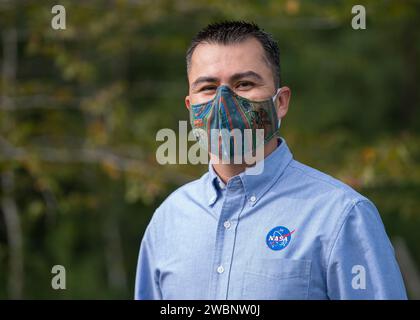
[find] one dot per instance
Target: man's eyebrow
(246, 74)
(203, 79)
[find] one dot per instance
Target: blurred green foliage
(79, 115)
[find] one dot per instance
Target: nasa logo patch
(278, 238)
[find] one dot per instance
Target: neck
(227, 171)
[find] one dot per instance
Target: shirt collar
(255, 186)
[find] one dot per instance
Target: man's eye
(244, 85)
(208, 88)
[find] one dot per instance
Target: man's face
(241, 66)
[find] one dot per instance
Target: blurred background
(80, 109)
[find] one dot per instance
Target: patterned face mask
(231, 115)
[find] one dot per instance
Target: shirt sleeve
(147, 286)
(362, 262)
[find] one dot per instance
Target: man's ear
(187, 102)
(282, 102)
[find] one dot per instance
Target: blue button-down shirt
(291, 232)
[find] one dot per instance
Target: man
(290, 232)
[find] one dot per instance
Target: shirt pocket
(276, 279)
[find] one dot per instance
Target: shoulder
(318, 182)
(333, 200)
(180, 198)
(172, 214)
(341, 209)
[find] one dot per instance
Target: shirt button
(220, 269)
(226, 224)
(253, 198)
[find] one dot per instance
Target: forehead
(221, 61)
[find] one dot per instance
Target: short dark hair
(228, 32)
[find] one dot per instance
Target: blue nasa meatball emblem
(278, 238)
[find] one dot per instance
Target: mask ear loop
(274, 99)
